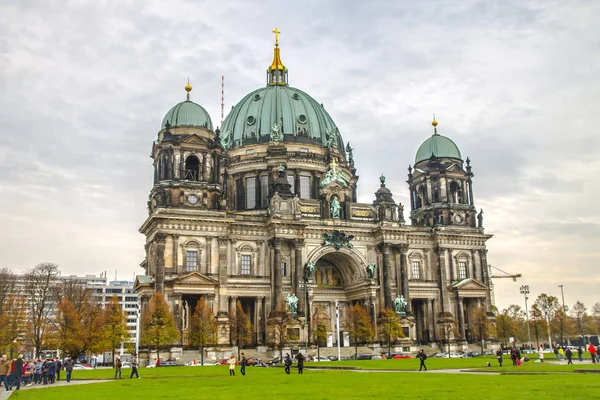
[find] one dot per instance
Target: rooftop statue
(371, 271)
(333, 175)
(291, 301)
(400, 305)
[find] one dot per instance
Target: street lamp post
(547, 310)
(525, 292)
(562, 314)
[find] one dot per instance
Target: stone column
(387, 280)
(160, 262)
(214, 256)
(442, 280)
(471, 201)
(276, 243)
(175, 265)
(432, 321)
(461, 315)
(177, 313)
(208, 252)
(144, 310)
(404, 273)
(263, 320)
(451, 266)
(256, 318)
(259, 270)
(222, 272)
(232, 306)
(299, 275)
(486, 279)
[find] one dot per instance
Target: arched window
(416, 266)
(462, 263)
(192, 168)
(454, 191)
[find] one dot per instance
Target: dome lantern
(277, 72)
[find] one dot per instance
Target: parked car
(169, 363)
(197, 363)
(225, 361)
(318, 359)
(362, 357)
(274, 361)
(333, 358)
(126, 364)
(400, 355)
(255, 362)
(81, 366)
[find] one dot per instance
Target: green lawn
(214, 383)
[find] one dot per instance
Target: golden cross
(276, 32)
(333, 165)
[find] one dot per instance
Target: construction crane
(506, 275)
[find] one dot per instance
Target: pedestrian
(5, 371)
(29, 373)
(17, 372)
(541, 353)
(118, 368)
(51, 371)
(580, 353)
(422, 357)
(69, 363)
(499, 356)
(45, 366)
(569, 354)
(59, 368)
(556, 352)
(513, 356)
(37, 377)
(243, 363)
(288, 363)
(592, 351)
(300, 357)
(231, 363)
(561, 352)
(134, 366)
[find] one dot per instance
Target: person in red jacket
(592, 351)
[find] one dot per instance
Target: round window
(302, 118)
(295, 96)
(250, 120)
(257, 97)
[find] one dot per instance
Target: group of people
(19, 371)
(560, 352)
(287, 362)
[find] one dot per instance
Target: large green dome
(299, 118)
(188, 113)
(438, 146)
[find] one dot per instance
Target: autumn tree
(115, 325)
(159, 326)
(359, 325)
(596, 315)
(519, 317)
(390, 327)
(75, 291)
(240, 329)
(537, 323)
(581, 319)
(319, 332)
(40, 302)
(203, 328)
(7, 287)
(13, 323)
(280, 320)
(481, 325)
(68, 329)
(506, 327)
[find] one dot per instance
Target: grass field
(214, 383)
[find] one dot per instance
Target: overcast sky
(84, 86)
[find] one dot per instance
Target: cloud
(84, 87)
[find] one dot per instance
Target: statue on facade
(276, 135)
(371, 271)
(309, 270)
(336, 208)
(350, 156)
(480, 219)
(275, 203)
(296, 204)
(291, 301)
(400, 305)
(337, 239)
(333, 175)
(401, 213)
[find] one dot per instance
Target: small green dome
(438, 146)
(188, 113)
(299, 118)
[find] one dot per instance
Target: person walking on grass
(243, 363)
(69, 368)
(5, 371)
(580, 353)
(134, 366)
(499, 356)
(288, 363)
(231, 363)
(300, 357)
(569, 355)
(541, 353)
(118, 368)
(592, 351)
(422, 357)
(59, 368)
(17, 372)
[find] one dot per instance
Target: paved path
(5, 395)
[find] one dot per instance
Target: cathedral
(263, 211)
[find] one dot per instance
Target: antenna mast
(222, 99)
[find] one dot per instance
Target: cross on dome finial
(435, 124)
(277, 72)
(188, 89)
(276, 32)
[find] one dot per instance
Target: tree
(280, 320)
(519, 317)
(506, 327)
(581, 318)
(240, 329)
(390, 327)
(561, 323)
(481, 325)
(159, 326)
(203, 328)
(319, 332)
(115, 324)
(537, 322)
(359, 325)
(13, 323)
(40, 302)
(549, 305)
(596, 315)
(69, 331)
(7, 287)
(75, 291)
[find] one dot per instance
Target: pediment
(454, 168)
(193, 139)
(196, 278)
(469, 284)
